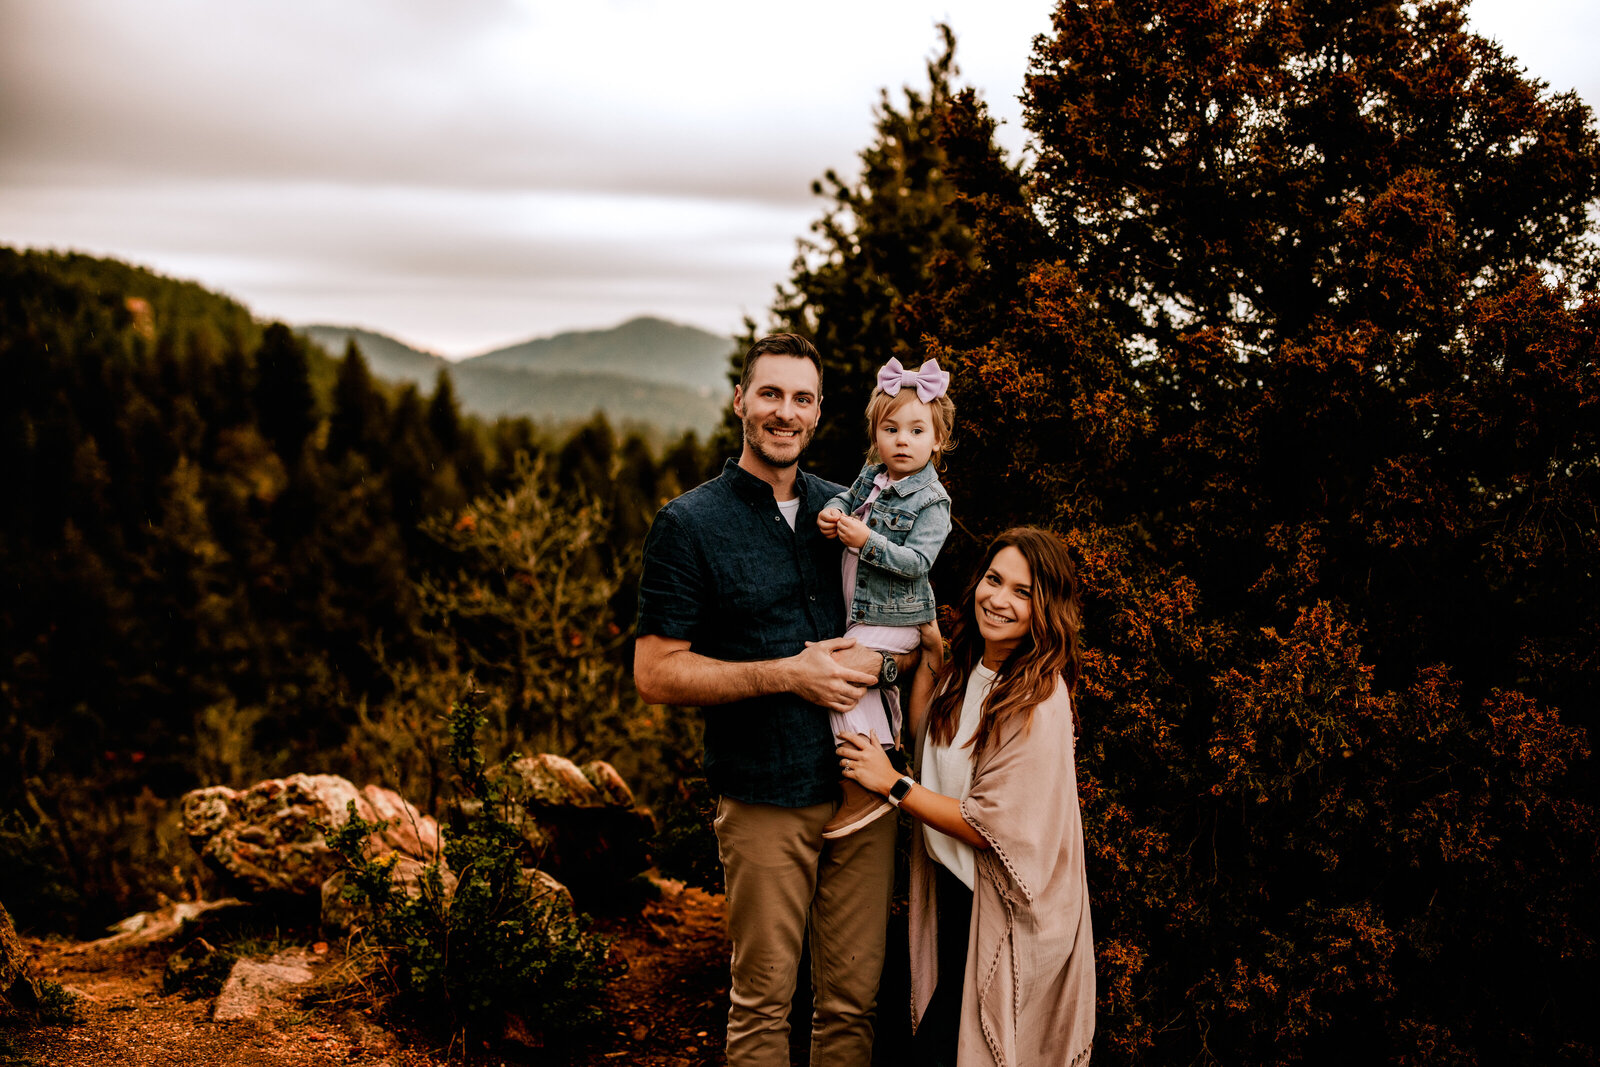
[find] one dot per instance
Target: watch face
(890, 671)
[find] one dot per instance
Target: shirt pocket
(758, 603)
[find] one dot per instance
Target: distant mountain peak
(645, 369)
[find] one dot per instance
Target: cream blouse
(947, 769)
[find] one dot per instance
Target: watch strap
(888, 670)
(901, 787)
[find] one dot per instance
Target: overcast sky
(469, 173)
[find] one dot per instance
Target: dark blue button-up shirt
(723, 571)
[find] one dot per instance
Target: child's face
(906, 438)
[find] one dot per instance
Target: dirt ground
(667, 1008)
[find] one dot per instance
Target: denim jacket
(908, 524)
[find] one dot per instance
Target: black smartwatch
(898, 791)
(889, 672)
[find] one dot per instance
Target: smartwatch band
(901, 787)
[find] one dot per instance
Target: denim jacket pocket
(898, 523)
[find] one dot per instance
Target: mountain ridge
(646, 370)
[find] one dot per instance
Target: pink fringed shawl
(1028, 995)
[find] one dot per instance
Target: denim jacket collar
(911, 482)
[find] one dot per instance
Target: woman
(1002, 957)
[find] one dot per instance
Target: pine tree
(880, 236)
(359, 409)
(284, 402)
(1286, 332)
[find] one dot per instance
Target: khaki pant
(780, 873)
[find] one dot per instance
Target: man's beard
(752, 437)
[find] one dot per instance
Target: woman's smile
(1003, 604)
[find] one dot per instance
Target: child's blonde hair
(882, 405)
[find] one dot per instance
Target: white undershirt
(789, 509)
(947, 769)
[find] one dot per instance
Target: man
(740, 612)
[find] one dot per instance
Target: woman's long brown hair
(1049, 651)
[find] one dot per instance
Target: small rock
(541, 885)
(554, 781)
(608, 783)
(517, 1032)
(257, 988)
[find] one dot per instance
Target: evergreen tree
(359, 409)
(444, 414)
(875, 245)
(1286, 332)
(284, 402)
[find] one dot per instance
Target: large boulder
(580, 824)
(265, 841)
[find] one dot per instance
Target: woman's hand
(862, 758)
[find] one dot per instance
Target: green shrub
(501, 944)
(686, 845)
(31, 880)
(13, 1055)
(58, 1005)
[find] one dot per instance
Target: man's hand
(828, 521)
(822, 676)
(852, 531)
(861, 658)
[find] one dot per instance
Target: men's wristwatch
(889, 672)
(898, 791)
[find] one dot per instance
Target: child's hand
(852, 531)
(828, 521)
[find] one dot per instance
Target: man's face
(780, 409)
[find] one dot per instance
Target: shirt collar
(756, 490)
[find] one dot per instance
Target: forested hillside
(1290, 328)
(225, 556)
(655, 376)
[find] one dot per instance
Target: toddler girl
(893, 521)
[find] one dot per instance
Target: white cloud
(469, 173)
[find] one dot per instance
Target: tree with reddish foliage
(1290, 329)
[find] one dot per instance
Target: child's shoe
(860, 807)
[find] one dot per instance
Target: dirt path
(667, 1008)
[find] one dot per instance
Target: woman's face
(1003, 604)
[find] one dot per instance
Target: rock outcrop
(580, 824)
(265, 842)
(19, 988)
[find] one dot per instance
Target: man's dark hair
(780, 344)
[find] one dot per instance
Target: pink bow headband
(931, 382)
